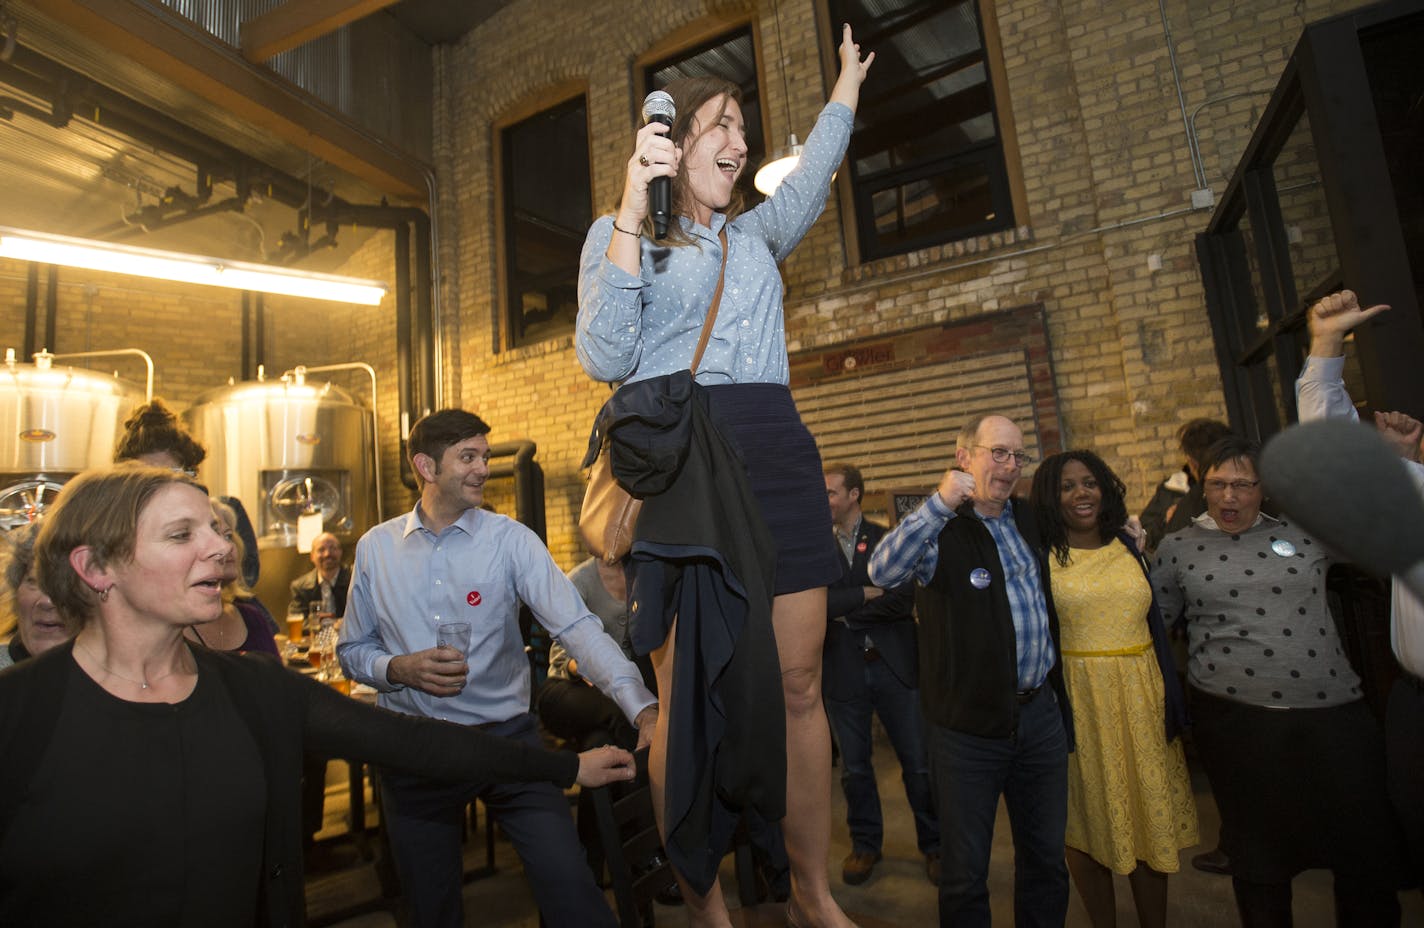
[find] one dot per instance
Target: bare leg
(800, 623)
(709, 910)
(1149, 895)
(1095, 886)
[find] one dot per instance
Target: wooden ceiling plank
(297, 22)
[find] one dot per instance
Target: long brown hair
(689, 94)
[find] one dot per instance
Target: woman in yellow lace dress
(1130, 806)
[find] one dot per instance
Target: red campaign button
(474, 598)
(861, 547)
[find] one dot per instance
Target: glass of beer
(296, 618)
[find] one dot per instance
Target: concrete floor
(896, 894)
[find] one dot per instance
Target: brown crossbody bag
(609, 511)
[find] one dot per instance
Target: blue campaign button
(1283, 548)
(979, 578)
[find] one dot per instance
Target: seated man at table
(327, 581)
(450, 563)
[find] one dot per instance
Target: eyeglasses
(1000, 455)
(1238, 486)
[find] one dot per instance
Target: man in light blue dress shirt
(449, 563)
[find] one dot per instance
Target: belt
(871, 654)
(1112, 652)
(1026, 696)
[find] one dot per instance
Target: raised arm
(853, 71)
(1320, 390)
(910, 551)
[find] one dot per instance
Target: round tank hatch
(24, 502)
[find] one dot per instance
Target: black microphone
(658, 107)
(1347, 487)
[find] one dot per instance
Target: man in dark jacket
(870, 667)
(991, 680)
(328, 579)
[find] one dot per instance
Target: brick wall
(1105, 170)
(1105, 166)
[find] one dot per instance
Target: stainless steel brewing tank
(54, 423)
(282, 447)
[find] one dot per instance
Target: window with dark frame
(548, 206)
(731, 56)
(927, 161)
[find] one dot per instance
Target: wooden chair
(629, 842)
(628, 836)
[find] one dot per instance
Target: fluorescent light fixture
(189, 269)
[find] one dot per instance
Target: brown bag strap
(716, 302)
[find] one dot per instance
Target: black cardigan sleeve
(340, 726)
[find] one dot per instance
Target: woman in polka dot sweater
(1293, 754)
(642, 303)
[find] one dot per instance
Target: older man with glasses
(990, 676)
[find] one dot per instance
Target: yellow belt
(1116, 652)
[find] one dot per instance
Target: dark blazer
(968, 653)
(889, 619)
(285, 713)
(306, 589)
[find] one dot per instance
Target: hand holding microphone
(647, 191)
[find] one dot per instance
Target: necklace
(141, 684)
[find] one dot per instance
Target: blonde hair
(234, 589)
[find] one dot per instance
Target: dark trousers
(1030, 770)
(1360, 902)
(577, 712)
(1404, 764)
(313, 795)
(879, 691)
(425, 822)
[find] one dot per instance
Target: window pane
(731, 57)
(927, 163)
(547, 211)
(925, 210)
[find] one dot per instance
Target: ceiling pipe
(417, 394)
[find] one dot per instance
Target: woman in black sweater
(147, 782)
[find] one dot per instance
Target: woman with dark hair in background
(1295, 759)
(642, 305)
(1130, 805)
(180, 766)
(36, 624)
(154, 436)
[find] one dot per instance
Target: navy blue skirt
(784, 467)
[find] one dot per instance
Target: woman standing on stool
(641, 307)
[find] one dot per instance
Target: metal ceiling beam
(299, 21)
(177, 50)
